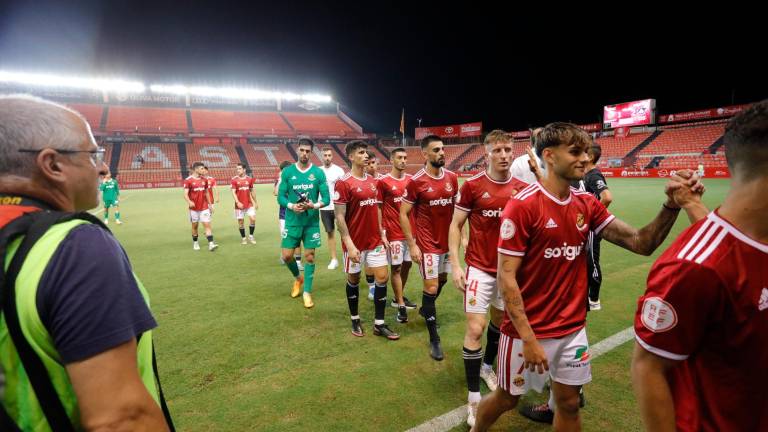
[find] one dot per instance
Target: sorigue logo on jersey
(441, 202)
(566, 251)
(303, 186)
(368, 202)
(492, 213)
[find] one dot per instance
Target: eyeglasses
(97, 156)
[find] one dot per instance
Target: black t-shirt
(595, 183)
(88, 298)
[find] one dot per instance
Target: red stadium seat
(146, 120)
(327, 124)
(91, 112)
(238, 122)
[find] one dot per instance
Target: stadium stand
(238, 122)
(327, 124)
(91, 112)
(146, 120)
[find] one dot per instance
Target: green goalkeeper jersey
(294, 181)
(109, 190)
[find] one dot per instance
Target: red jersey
(391, 192)
(706, 306)
(211, 184)
(551, 236)
(484, 199)
(197, 187)
(432, 200)
(362, 217)
(243, 187)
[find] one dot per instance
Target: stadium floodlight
(235, 93)
(49, 80)
(316, 98)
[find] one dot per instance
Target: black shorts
(329, 220)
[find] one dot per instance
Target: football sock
(492, 345)
(309, 275)
(353, 296)
(472, 360)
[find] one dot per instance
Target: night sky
(508, 67)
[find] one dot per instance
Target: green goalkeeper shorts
(295, 235)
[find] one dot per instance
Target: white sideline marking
(455, 417)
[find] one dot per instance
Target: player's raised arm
(645, 240)
(455, 238)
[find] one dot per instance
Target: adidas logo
(551, 224)
(394, 187)
(359, 190)
(486, 195)
(763, 304)
(430, 189)
(293, 178)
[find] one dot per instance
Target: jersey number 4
(472, 287)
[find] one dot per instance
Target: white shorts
(371, 258)
(250, 211)
(568, 359)
(203, 216)
(481, 292)
(433, 265)
(398, 252)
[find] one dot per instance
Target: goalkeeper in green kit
(109, 194)
(303, 191)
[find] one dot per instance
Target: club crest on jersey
(472, 301)
(580, 222)
(507, 229)
(449, 187)
(311, 177)
(519, 381)
(373, 187)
